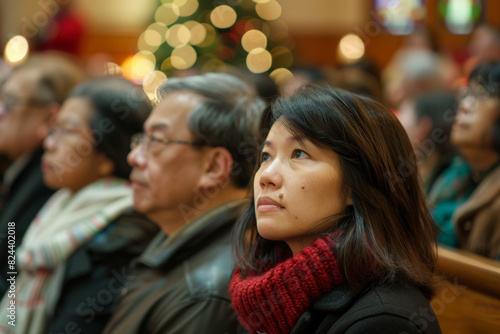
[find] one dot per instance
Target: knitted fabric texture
(274, 301)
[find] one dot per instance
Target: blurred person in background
(427, 119)
(191, 168)
(72, 258)
(361, 77)
(29, 101)
(476, 133)
(302, 75)
(484, 46)
(417, 67)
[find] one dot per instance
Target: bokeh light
(223, 16)
(167, 14)
(188, 8)
(253, 39)
(16, 50)
(281, 76)
(183, 57)
(178, 35)
(151, 82)
(259, 60)
(214, 65)
(351, 47)
(142, 63)
(269, 10)
(210, 35)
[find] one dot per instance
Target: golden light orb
(270, 10)
(223, 16)
(151, 82)
(281, 75)
(259, 60)
(183, 57)
(16, 50)
(253, 39)
(142, 63)
(351, 47)
(178, 35)
(167, 14)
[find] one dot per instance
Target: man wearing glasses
(29, 100)
(191, 168)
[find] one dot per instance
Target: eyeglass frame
(137, 140)
(58, 131)
(16, 101)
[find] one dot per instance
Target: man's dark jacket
(180, 284)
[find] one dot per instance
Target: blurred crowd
(77, 153)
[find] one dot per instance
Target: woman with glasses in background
(73, 257)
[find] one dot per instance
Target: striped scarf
(66, 222)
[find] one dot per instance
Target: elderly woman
(71, 261)
(337, 239)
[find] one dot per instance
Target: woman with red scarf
(338, 238)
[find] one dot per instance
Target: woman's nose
(271, 175)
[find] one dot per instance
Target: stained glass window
(399, 17)
(460, 16)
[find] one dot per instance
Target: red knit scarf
(274, 301)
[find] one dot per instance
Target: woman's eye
(298, 154)
(264, 157)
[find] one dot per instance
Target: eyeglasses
(147, 141)
(59, 131)
(10, 102)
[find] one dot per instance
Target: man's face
(165, 176)
(476, 118)
(22, 121)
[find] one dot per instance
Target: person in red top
(331, 243)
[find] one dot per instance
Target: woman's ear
(217, 168)
(106, 166)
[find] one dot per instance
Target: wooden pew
(469, 298)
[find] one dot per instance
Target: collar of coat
(191, 239)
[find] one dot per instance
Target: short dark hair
(387, 233)
(227, 117)
(440, 108)
(487, 77)
(120, 109)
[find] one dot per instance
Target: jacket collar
(487, 190)
(337, 300)
(190, 239)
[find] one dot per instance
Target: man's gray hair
(228, 117)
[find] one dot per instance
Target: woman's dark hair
(387, 233)
(486, 77)
(120, 109)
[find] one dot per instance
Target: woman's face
(475, 121)
(70, 159)
(297, 185)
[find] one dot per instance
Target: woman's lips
(267, 204)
